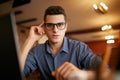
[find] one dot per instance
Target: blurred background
(95, 22)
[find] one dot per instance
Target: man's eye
(50, 25)
(60, 24)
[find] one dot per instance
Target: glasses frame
(51, 26)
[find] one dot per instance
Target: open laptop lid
(9, 58)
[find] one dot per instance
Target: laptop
(9, 57)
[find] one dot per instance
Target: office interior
(95, 22)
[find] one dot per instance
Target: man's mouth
(55, 36)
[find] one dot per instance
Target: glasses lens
(49, 24)
(60, 25)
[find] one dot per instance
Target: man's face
(55, 28)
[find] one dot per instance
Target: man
(58, 58)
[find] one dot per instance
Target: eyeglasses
(50, 26)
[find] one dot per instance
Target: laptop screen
(9, 59)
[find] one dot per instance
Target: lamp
(109, 37)
(110, 41)
(100, 8)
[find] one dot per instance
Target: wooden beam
(26, 21)
(18, 12)
(90, 30)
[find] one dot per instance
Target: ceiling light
(95, 6)
(100, 8)
(109, 37)
(104, 6)
(106, 27)
(110, 41)
(108, 30)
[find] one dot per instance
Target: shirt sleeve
(30, 64)
(88, 59)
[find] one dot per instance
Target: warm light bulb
(106, 27)
(109, 37)
(109, 27)
(104, 5)
(110, 41)
(95, 6)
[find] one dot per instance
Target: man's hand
(36, 32)
(68, 71)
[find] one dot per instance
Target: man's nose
(55, 29)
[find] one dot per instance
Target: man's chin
(56, 40)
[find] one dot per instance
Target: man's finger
(53, 73)
(41, 24)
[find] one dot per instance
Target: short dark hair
(54, 10)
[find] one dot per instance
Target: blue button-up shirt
(76, 52)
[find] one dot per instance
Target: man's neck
(55, 47)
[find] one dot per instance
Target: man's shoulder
(38, 50)
(39, 46)
(76, 43)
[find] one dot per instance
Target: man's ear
(66, 25)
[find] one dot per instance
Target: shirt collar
(48, 48)
(64, 47)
